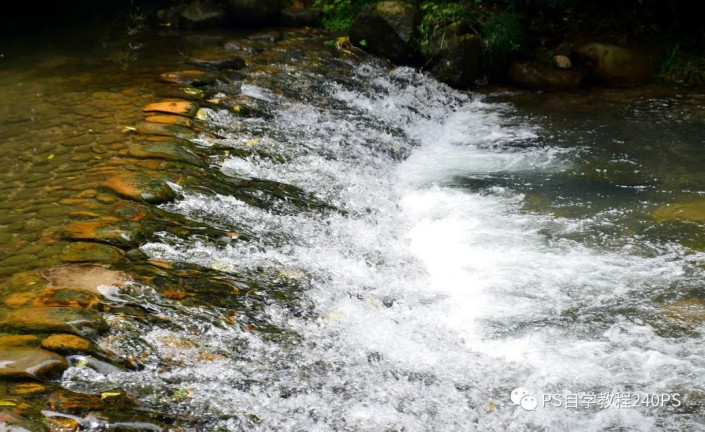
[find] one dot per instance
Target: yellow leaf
(252, 142)
(129, 129)
(109, 394)
(7, 403)
(51, 156)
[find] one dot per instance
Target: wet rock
(267, 36)
(456, 57)
(617, 66)
(170, 119)
(129, 211)
(166, 130)
(19, 363)
(66, 343)
(107, 230)
(690, 311)
(562, 62)
(189, 93)
(253, 12)
(300, 17)
(86, 277)
(387, 29)
(693, 212)
(66, 297)
(217, 60)
(141, 187)
(92, 252)
(19, 341)
(66, 401)
(196, 78)
(538, 76)
(27, 389)
(166, 150)
(68, 320)
(200, 14)
(184, 108)
(17, 300)
(63, 424)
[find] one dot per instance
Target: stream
(389, 254)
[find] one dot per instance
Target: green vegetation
(515, 28)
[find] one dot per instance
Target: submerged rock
(170, 119)
(217, 60)
(539, 76)
(92, 252)
(85, 277)
(387, 29)
(685, 212)
(19, 341)
(184, 108)
(166, 130)
(47, 319)
(141, 187)
(166, 150)
(108, 230)
(617, 66)
(66, 297)
(34, 363)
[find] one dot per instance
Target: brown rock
(616, 65)
(538, 76)
(66, 343)
(190, 77)
(66, 297)
(92, 252)
(562, 62)
(68, 320)
(140, 187)
(19, 341)
(183, 108)
(170, 119)
(108, 229)
(174, 294)
(27, 389)
(30, 363)
(17, 300)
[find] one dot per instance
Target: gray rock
(387, 29)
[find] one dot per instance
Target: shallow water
(480, 243)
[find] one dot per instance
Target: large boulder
(387, 29)
(456, 57)
(616, 65)
(253, 11)
(197, 14)
(539, 76)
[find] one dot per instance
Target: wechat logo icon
(520, 396)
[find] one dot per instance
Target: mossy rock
(106, 230)
(49, 320)
(693, 212)
(387, 29)
(166, 150)
(85, 252)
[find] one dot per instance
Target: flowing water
(473, 244)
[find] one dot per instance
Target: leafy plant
(438, 15)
